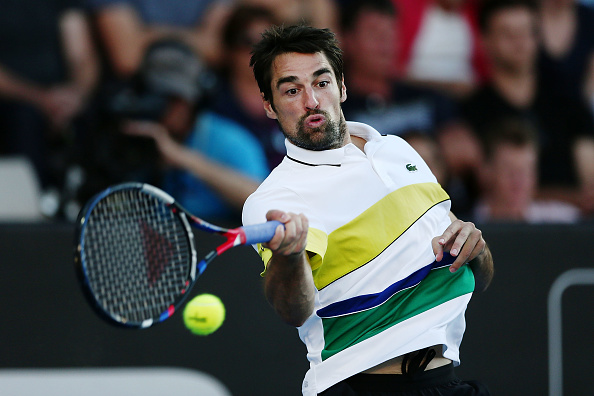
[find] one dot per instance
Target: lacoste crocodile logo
(411, 167)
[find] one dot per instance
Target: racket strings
(137, 255)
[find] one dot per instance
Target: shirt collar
(331, 157)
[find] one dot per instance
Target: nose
(311, 102)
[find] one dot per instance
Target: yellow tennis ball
(204, 314)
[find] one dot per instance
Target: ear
(270, 113)
(343, 93)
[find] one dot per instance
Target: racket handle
(260, 233)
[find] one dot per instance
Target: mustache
(314, 112)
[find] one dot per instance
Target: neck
(358, 141)
(556, 9)
(517, 87)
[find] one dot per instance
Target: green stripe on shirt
(437, 288)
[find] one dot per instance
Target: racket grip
(260, 233)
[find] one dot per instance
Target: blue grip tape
(260, 233)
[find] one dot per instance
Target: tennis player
(371, 265)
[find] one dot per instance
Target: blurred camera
(131, 104)
(169, 69)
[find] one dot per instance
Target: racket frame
(234, 237)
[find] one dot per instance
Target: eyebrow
(290, 79)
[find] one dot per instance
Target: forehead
(301, 66)
(508, 153)
(512, 17)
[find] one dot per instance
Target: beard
(328, 136)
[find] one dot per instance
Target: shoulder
(229, 143)
(483, 92)
(484, 100)
(277, 191)
(270, 196)
(400, 146)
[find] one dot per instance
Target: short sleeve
(317, 244)
(263, 200)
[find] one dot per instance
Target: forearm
(82, 60)
(231, 185)
(289, 287)
(203, 43)
(125, 38)
(483, 269)
(204, 38)
(465, 241)
(13, 87)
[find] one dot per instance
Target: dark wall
(47, 323)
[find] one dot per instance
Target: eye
(323, 84)
(291, 92)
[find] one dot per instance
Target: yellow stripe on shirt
(366, 236)
(317, 242)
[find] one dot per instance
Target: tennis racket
(135, 252)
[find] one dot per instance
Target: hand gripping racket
(135, 254)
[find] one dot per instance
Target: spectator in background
(441, 45)
(429, 150)
(48, 72)
(567, 48)
(213, 164)
(317, 13)
(126, 28)
(238, 96)
(378, 98)
(565, 128)
(510, 179)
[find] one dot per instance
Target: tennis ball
(204, 314)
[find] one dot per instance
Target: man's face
(239, 56)
(514, 174)
(307, 101)
(510, 40)
(371, 44)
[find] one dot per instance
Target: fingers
(290, 239)
(463, 240)
(437, 248)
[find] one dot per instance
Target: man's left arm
(465, 242)
(482, 267)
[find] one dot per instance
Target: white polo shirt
(372, 216)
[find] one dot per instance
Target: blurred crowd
(496, 95)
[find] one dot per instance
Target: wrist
(482, 268)
(291, 257)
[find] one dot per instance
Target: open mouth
(315, 121)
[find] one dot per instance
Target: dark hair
(513, 131)
(351, 10)
(241, 17)
(301, 39)
(491, 7)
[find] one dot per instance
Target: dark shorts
(441, 381)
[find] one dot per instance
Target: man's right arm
(288, 283)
